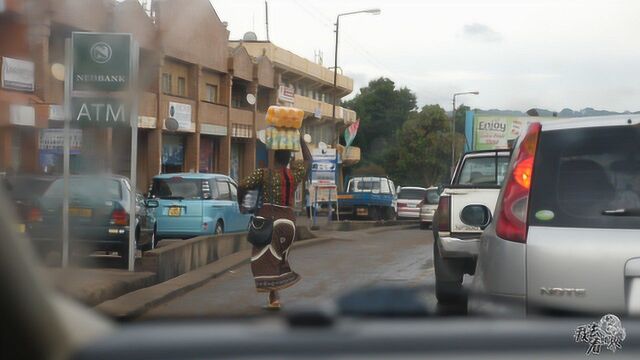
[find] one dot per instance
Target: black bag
(261, 228)
(260, 231)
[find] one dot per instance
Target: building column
(225, 143)
(249, 161)
(5, 148)
(39, 31)
(30, 162)
(154, 151)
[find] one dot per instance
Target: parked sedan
(428, 207)
(192, 204)
(567, 221)
(98, 215)
(409, 199)
(25, 191)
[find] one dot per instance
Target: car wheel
(448, 278)
(219, 230)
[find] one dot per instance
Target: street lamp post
(453, 128)
(335, 61)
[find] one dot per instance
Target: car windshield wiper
(622, 212)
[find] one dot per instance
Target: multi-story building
(309, 86)
(218, 91)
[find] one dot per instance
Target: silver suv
(566, 230)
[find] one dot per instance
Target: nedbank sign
(101, 61)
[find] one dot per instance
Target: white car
(428, 207)
(566, 230)
(409, 201)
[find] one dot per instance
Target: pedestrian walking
(269, 263)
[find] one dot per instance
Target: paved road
(327, 269)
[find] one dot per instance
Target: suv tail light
(119, 217)
(444, 213)
(512, 216)
(34, 215)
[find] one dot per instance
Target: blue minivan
(185, 205)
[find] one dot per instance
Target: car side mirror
(152, 204)
(476, 215)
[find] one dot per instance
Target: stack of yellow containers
(283, 132)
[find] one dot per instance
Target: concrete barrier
(180, 257)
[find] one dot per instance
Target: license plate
(81, 212)
(22, 228)
(175, 211)
(412, 205)
(362, 211)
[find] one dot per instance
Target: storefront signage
(147, 122)
(323, 166)
(52, 140)
(286, 93)
(209, 129)
(101, 61)
(99, 111)
(182, 113)
(17, 74)
(22, 115)
(56, 112)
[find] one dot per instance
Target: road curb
(134, 304)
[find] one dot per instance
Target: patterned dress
(269, 264)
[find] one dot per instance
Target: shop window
(166, 83)
(212, 93)
(182, 86)
(172, 153)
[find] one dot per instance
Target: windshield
(412, 194)
(86, 188)
(483, 171)
(283, 154)
(177, 187)
(432, 197)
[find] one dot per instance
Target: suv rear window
(177, 188)
(412, 194)
(483, 171)
(580, 174)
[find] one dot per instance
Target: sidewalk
(94, 286)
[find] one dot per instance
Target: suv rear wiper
(622, 212)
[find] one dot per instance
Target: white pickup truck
(476, 181)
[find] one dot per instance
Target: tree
(461, 116)
(382, 109)
(421, 153)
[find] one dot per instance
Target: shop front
(242, 151)
(212, 138)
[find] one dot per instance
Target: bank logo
(607, 332)
(101, 52)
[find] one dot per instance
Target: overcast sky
(518, 53)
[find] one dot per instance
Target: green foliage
(412, 147)
(421, 151)
(382, 109)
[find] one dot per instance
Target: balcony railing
(239, 116)
(310, 105)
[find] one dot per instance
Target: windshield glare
(249, 158)
(177, 188)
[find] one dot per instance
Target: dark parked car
(25, 191)
(98, 216)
